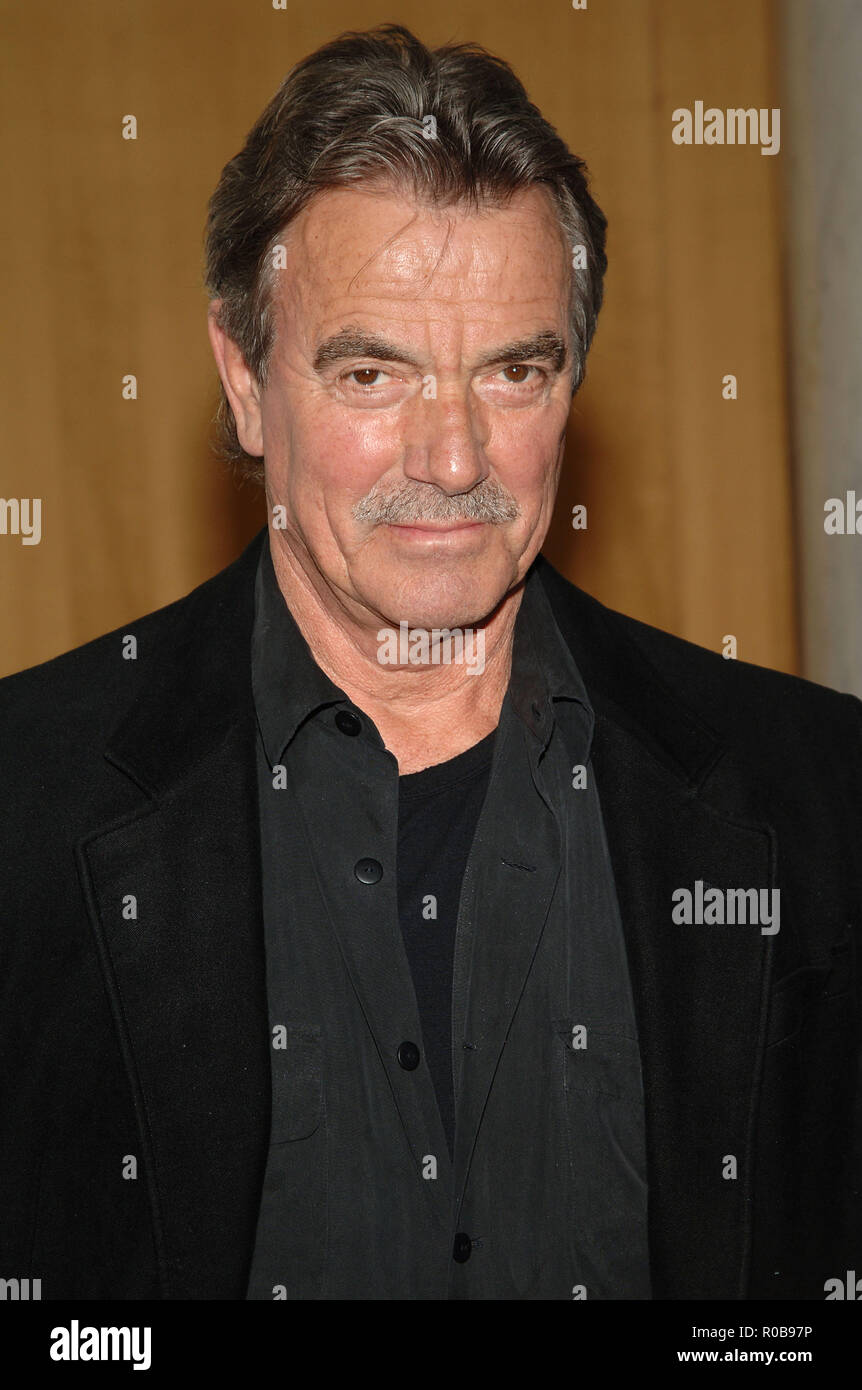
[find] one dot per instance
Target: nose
(448, 443)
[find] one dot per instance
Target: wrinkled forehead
(373, 243)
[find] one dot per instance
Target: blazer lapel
(173, 891)
(700, 990)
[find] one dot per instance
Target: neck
(425, 713)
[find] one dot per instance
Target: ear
(240, 386)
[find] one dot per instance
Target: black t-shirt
(438, 810)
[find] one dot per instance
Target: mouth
(435, 528)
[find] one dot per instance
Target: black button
(461, 1248)
(368, 870)
(348, 722)
(408, 1056)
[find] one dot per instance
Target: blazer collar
(625, 687)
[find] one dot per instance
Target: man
(388, 918)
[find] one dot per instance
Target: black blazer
(131, 1168)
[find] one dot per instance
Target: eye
(365, 376)
(518, 372)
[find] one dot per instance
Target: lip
(430, 528)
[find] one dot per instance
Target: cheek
(526, 458)
(338, 454)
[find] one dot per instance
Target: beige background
(689, 503)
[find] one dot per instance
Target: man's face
(420, 373)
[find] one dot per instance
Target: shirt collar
(545, 681)
(289, 686)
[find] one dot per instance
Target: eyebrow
(352, 342)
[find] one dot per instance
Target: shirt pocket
(291, 1249)
(297, 1082)
(598, 1062)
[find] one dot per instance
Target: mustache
(487, 501)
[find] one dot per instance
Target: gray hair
(351, 114)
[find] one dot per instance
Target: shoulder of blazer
(765, 721)
(759, 747)
(61, 711)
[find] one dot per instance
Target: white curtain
(822, 147)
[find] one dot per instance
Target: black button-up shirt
(438, 809)
(546, 1195)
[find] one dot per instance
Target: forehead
(368, 245)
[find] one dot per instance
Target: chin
(449, 603)
(467, 613)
